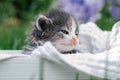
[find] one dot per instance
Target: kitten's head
(58, 27)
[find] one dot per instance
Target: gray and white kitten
(56, 26)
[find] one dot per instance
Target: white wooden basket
(19, 67)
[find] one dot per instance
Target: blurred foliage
(12, 37)
(22, 9)
(15, 17)
(106, 22)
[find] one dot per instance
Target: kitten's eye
(64, 31)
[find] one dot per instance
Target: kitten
(56, 26)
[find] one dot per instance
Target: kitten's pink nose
(73, 41)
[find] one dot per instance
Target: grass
(12, 37)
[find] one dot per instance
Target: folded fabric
(92, 38)
(101, 50)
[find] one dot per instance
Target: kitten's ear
(42, 22)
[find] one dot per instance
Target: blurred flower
(83, 10)
(115, 12)
(114, 8)
(114, 1)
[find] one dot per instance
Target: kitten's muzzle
(73, 41)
